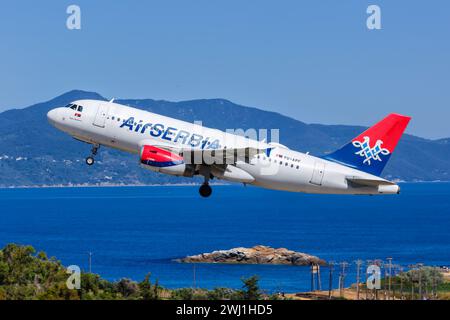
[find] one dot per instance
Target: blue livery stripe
(160, 164)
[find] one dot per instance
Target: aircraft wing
(215, 157)
(217, 162)
(221, 156)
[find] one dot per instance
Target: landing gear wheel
(90, 161)
(205, 190)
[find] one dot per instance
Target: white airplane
(181, 148)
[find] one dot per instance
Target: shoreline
(112, 185)
(109, 185)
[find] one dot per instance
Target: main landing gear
(205, 190)
(90, 160)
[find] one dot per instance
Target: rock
(256, 255)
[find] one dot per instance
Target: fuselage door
(319, 171)
(102, 113)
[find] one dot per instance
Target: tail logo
(370, 153)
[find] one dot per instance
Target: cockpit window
(80, 108)
(73, 107)
(69, 105)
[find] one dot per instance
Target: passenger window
(112, 118)
(80, 109)
(298, 167)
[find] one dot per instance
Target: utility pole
(358, 270)
(314, 269)
(342, 278)
(330, 280)
(193, 274)
(385, 282)
(434, 286)
(412, 267)
(418, 268)
(90, 262)
(368, 263)
(400, 269)
(395, 269)
(319, 282)
(389, 277)
(420, 281)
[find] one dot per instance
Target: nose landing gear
(90, 160)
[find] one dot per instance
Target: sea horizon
(212, 183)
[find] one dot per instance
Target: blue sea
(135, 230)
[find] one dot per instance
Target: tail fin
(371, 150)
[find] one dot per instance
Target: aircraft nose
(52, 116)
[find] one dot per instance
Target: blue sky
(313, 60)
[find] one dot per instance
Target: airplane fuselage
(129, 129)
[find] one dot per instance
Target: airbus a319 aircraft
(180, 148)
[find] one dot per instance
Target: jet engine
(164, 161)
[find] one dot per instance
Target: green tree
(146, 288)
(156, 289)
(127, 288)
(90, 285)
(222, 294)
(26, 275)
(251, 288)
(182, 294)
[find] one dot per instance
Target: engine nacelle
(164, 161)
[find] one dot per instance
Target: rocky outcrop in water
(255, 255)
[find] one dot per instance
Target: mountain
(33, 153)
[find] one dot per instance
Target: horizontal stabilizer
(370, 182)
